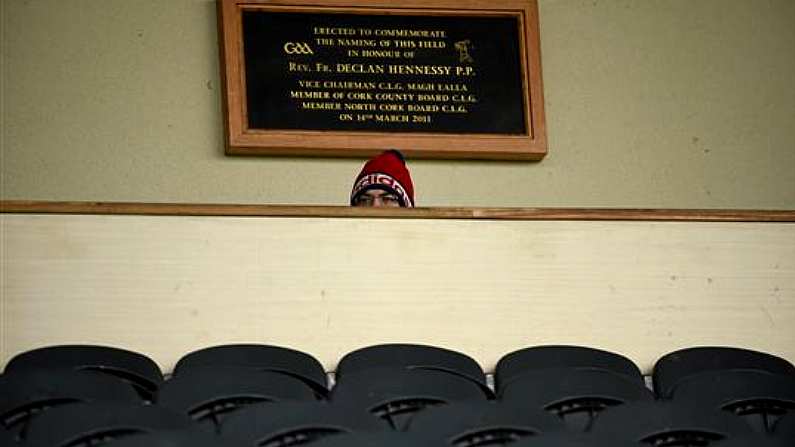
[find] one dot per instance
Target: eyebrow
(385, 194)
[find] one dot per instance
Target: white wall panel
(167, 285)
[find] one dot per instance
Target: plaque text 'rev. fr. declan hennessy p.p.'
(342, 80)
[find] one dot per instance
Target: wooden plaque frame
(242, 140)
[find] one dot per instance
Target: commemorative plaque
(434, 79)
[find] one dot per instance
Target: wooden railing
(185, 209)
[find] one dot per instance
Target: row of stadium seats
(396, 394)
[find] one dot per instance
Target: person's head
(384, 181)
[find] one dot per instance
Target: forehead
(377, 193)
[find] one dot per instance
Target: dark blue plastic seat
(785, 427)
(7, 438)
(757, 441)
(679, 365)
(261, 357)
(395, 395)
(134, 368)
(484, 423)
(517, 363)
(377, 439)
(410, 356)
(26, 394)
(175, 438)
(572, 440)
(575, 395)
(209, 395)
(758, 397)
(99, 422)
(668, 424)
(295, 423)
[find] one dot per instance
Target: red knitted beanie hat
(386, 172)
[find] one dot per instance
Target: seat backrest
(516, 363)
(135, 368)
(758, 397)
(674, 367)
(575, 395)
(262, 357)
(410, 356)
(395, 395)
(26, 394)
(209, 395)
(668, 423)
(87, 424)
(290, 423)
(463, 424)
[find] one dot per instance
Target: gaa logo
(297, 48)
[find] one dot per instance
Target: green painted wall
(650, 103)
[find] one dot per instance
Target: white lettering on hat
(379, 178)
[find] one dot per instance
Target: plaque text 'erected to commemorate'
(342, 81)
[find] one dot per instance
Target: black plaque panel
(404, 73)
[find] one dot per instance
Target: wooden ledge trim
(593, 214)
